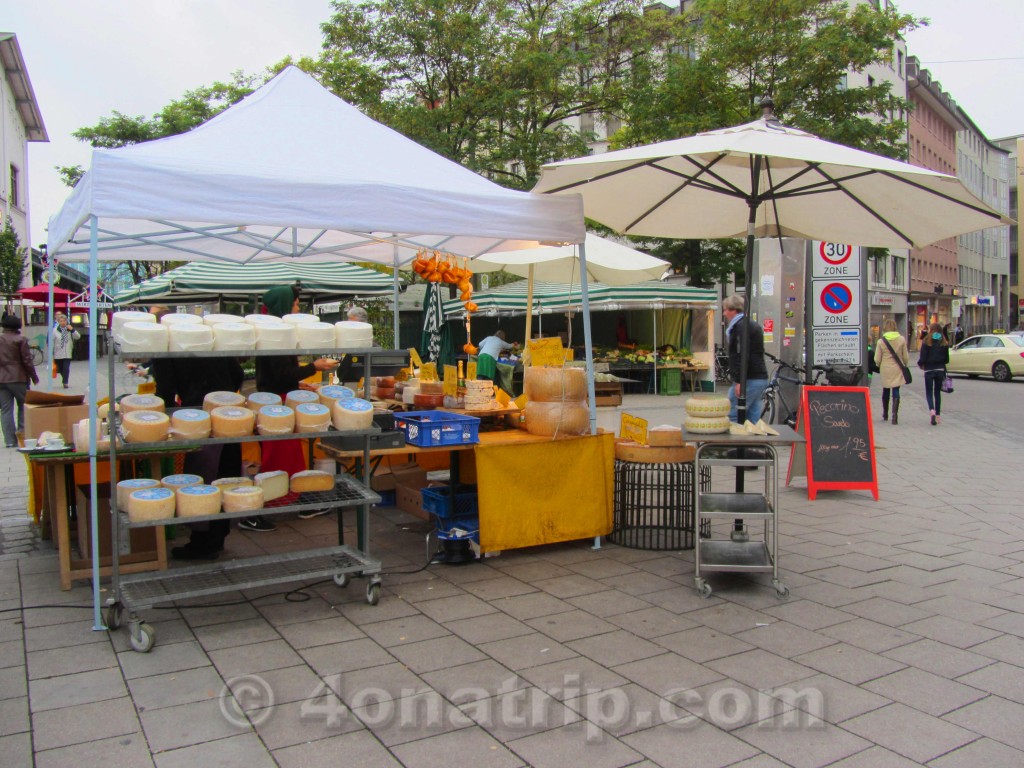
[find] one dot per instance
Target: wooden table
(57, 510)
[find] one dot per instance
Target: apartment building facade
(1014, 145)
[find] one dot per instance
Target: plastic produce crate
(435, 501)
(460, 530)
(432, 428)
(670, 381)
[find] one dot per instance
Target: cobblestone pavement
(901, 644)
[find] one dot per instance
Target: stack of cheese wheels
(174, 482)
(311, 480)
(145, 427)
(275, 335)
(707, 414)
(215, 319)
(190, 424)
(314, 336)
(197, 500)
(312, 417)
(298, 396)
(189, 337)
(273, 484)
(130, 403)
(150, 504)
(257, 400)
(300, 318)
(126, 487)
(353, 335)
(556, 401)
(237, 337)
(352, 413)
(119, 320)
(227, 483)
(143, 337)
(383, 387)
(479, 396)
(275, 420)
(243, 498)
(220, 398)
(332, 393)
(232, 421)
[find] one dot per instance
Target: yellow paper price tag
(414, 358)
(547, 351)
(428, 372)
(502, 398)
(451, 381)
(471, 370)
(633, 428)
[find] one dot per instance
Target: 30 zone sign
(835, 260)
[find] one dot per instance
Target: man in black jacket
(757, 371)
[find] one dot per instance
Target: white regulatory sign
(835, 260)
(837, 345)
(835, 303)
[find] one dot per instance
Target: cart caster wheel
(782, 590)
(704, 590)
(373, 593)
(113, 617)
(341, 579)
(143, 639)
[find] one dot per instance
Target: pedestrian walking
(933, 359)
(757, 371)
(891, 357)
(64, 338)
(16, 371)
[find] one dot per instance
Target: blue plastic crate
(468, 528)
(432, 428)
(435, 501)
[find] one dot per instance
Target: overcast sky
(87, 58)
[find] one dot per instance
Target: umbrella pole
(92, 395)
(394, 293)
(48, 376)
(529, 316)
(587, 341)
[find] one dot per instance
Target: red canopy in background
(61, 296)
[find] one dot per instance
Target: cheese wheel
(217, 319)
(332, 393)
(297, 396)
(217, 399)
(174, 482)
(554, 385)
(312, 417)
(145, 427)
(103, 409)
(315, 336)
(384, 394)
(190, 424)
(232, 421)
(126, 487)
(352, 413)
(132, 403)
(311, 480)
(151, 504)
(431, 388)
(234, 336)
(273, 484)
(246, 498)
(197, 500)
(388, 382)
(563, 419)
(80, 435)
(300, 318)
(257, 400)
(227, 483)
(428, 401)
(188, 337)
(277, 335)
(353, 334)
(119, 320)
(409, 394)
(181, 318)
(142, 337)
(261, 319)
(275, 420)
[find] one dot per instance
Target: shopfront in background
(884, 306)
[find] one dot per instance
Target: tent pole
(654, 315)
(529, 314)
(394, 319)
(49, 328)
(587, 340)
(92, 396)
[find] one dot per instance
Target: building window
(899, 273)
(13, 196)
(899, 63)
(878, 278)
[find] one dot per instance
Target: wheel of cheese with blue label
(197, 500)
(332, 393)
(230, 421)
(145, 427)
(126, 487)
(275, 420)
(312, 417)
(174, 482)
(352, 413)
(151, 504)
(190, 424)
(257, 400)
(298, 396)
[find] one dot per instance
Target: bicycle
(773, 393)
(37, 354)
(721, 363)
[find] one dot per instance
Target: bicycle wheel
(768, 406)
(37, 356)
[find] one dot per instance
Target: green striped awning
(558, 297)
(205, 281)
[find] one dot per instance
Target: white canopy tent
(290, 172)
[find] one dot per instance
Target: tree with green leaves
(13, 260)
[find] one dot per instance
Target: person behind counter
(16, 371)
(281, 374)
(490, 350)
(350, 367)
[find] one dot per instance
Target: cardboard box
(54, 418)
(409, 499)
(601, 400)
(137, 545)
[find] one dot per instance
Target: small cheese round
(227, 483)
(257, 400)
(217, 399)
(315, 336)
(352, 413)
(104, 408)
(232, 421)
(124, 316)
(131, 403)
(190, 424)
(332, 393)
(274, 484)
(182, 337)
(174, 482)
(298, 396)
(261, 319)
(217, 319)
(311, 480)
(145, 427)
(312, 417)
(246, 498)
(234, 336)
(197, 500)
(142, 337)
(151, 504)
(300, 318)
(275, 420)
(126, 487)
(353, 334)
(277, 335)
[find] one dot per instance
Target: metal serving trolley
(132, 593)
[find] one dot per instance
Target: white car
(1000, 356)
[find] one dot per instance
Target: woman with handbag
(933, 360)
(891, 357)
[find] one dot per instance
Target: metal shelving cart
(129, 594)
(739, 553)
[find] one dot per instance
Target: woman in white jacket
(64, 338)
(888, 358)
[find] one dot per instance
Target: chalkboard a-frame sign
(840, 447)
